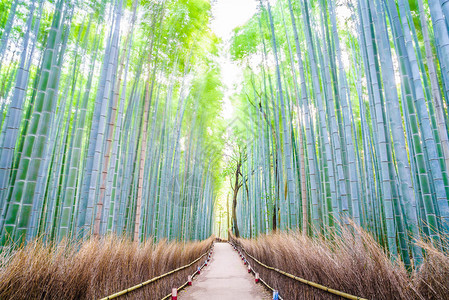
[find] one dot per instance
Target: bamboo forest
(156, 147)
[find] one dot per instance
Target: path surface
(224, 278)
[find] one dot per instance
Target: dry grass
(432, 279)
(353, 263)
(95, 268)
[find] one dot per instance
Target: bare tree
(238, 182)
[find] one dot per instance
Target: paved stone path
(225, 277)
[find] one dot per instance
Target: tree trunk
(237, 186)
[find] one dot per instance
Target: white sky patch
(182, 141)
(209, 130)
(227, 15)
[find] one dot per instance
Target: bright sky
(228, 14)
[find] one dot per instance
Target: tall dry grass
(432, 279)
(352, 263)
(95, 268)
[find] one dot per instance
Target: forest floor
(226, 277)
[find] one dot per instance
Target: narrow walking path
(224, 278)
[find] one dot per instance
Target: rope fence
(140, 285)
(250, 269)
(270, 288)
(185, 283)
(302, 280)
(258, 278)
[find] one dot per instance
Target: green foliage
(245, 40)
(352, 81)
(144, 87)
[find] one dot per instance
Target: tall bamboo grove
(104, 107)
(346, 105)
